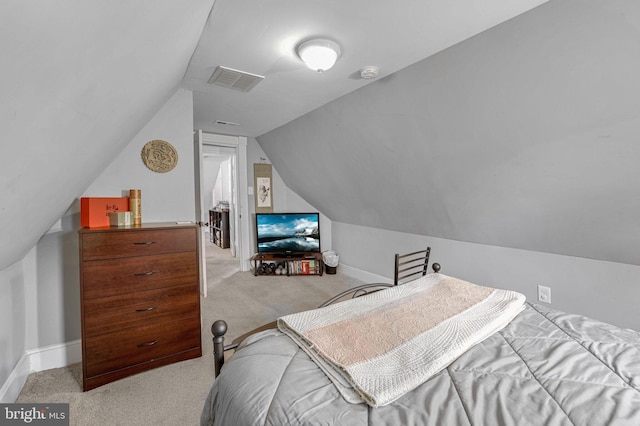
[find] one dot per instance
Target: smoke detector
(369, 72)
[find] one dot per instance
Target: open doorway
(221, 182)
(220, 200)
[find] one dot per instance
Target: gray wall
(13, 318)
(516, 151)
(284, 199)
(607, 291)
(40, 295)
(524, 136)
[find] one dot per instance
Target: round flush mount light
(319, 54)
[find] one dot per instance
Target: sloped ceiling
(525, 136)
(80, 78)
(260, 37)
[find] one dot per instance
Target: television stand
(287, 264)
(294, 255)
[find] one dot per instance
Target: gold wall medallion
(159, 156)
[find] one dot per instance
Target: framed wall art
(263, 191)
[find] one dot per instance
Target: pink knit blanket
(379, 347)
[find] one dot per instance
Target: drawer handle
(142, 274)
(145, 243)
(147, 344)
(147, 309)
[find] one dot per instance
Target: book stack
(303, 267)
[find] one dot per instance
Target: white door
(233, 202)
(202, 216)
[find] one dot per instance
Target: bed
(531, 366)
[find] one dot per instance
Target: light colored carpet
(175, 394)
(220, 263)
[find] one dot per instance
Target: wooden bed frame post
(218, 329)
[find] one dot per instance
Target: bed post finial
(218, 328)
(436, 267)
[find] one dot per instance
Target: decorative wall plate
(159, 156)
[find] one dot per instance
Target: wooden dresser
(140, 299)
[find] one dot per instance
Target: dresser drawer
(114, 313)
(117, 244)
(139, 289)
(103, 278)
(125, 348)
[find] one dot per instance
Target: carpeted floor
(220, 264)
(174, 395)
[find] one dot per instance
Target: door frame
(241, 214)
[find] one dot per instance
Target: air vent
(227, 123)
(234, 79)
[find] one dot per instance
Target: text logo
(34, 414)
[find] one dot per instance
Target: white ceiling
(260, 37)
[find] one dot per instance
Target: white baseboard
(17, 378)
(62, 355)
(364, 276)
(55, 356)
(33, 360)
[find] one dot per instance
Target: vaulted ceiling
(80, 78)
(260, 37)
(524, 135)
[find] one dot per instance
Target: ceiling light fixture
(319, 54)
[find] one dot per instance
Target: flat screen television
(288, 233)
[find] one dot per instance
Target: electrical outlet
(544, 294)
